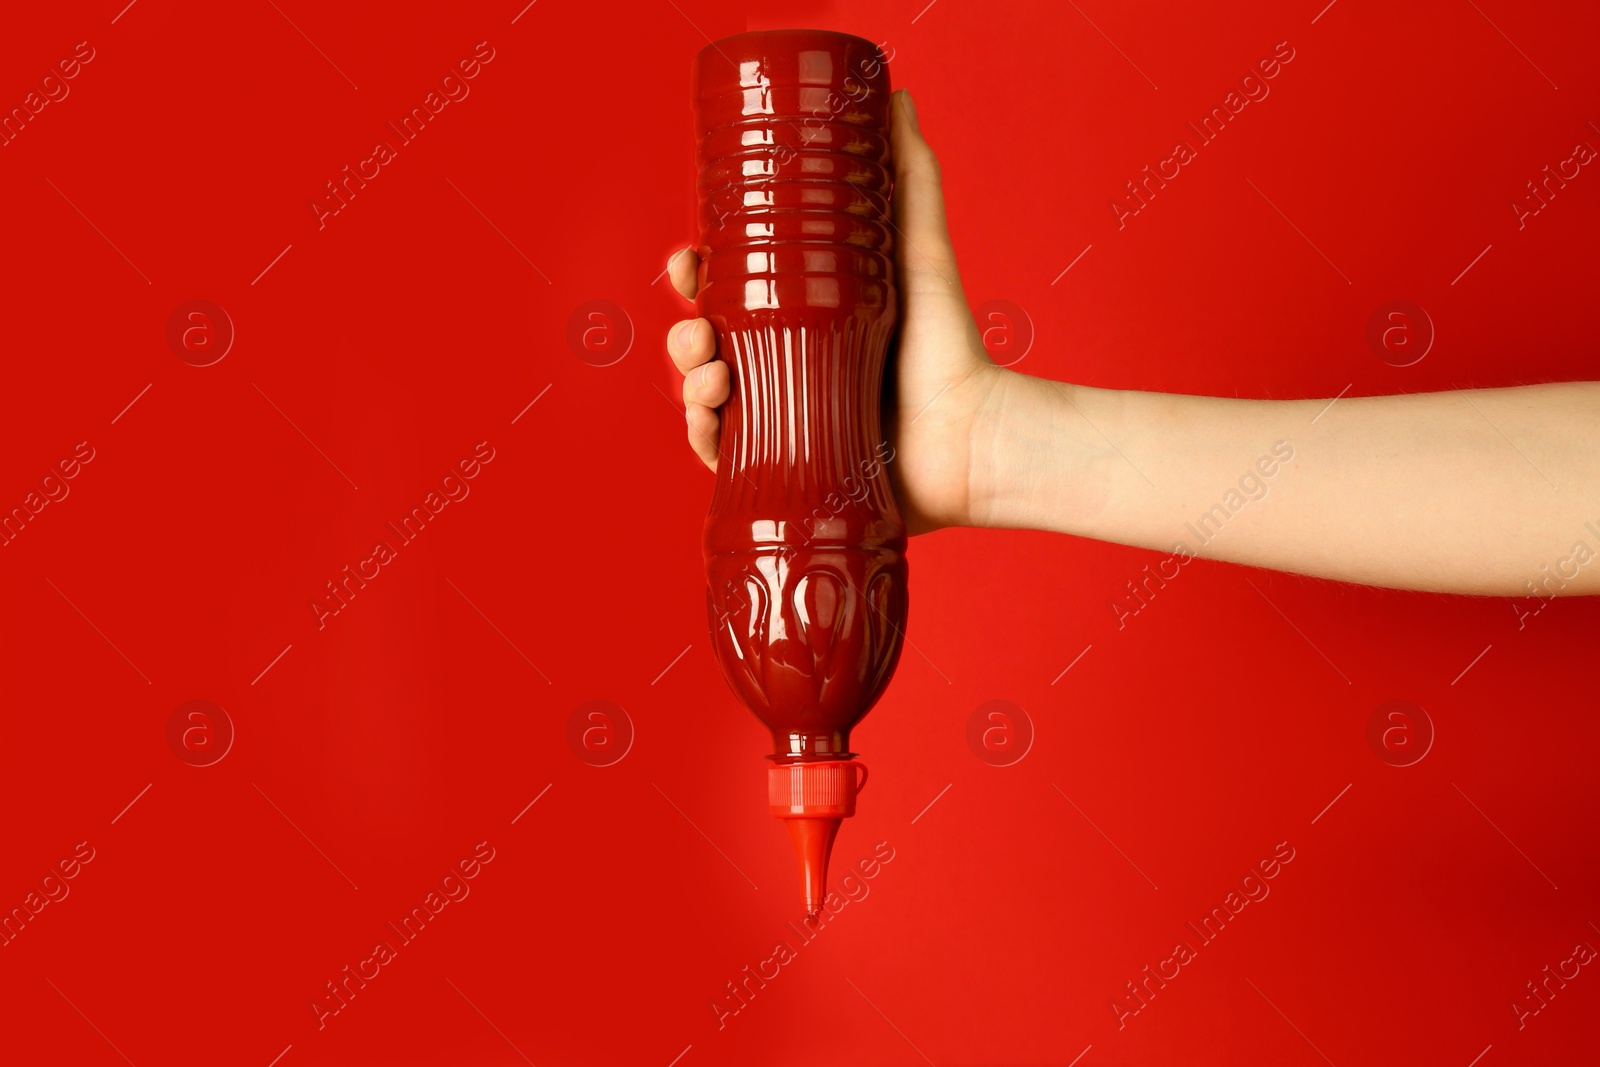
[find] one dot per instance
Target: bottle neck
(801, 746)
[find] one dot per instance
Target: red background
(425, 717)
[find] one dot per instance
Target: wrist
(1039, 457)
(1004, 451)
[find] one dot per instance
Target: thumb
(926, 258)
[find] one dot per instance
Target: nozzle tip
(813, 840)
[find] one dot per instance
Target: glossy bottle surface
(804, 544)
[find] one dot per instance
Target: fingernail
(684, 335)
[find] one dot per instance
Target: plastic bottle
(804, 544)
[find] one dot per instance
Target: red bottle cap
(812, 798)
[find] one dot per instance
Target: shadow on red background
(378, 748)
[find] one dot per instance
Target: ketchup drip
(804, 544)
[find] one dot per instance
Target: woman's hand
(1488, 491)
(941, 389)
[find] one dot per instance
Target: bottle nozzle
(813, 841)
(813, 799)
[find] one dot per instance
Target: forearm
(1472, 492)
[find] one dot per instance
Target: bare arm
(1481, 491)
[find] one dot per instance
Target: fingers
(705, 388)
(919, 200)
(690, 343)
(704, 426)
(707, 384)
(683, 268)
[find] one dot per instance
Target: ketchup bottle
(804, 544)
